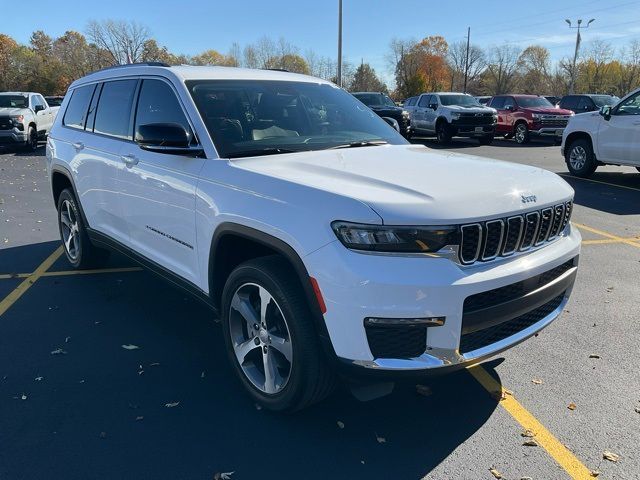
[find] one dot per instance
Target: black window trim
(133, 100)
(66, 110)
(141, 79)
(614, 111)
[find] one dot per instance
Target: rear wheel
(486, 140)
(270, 337)
(79, 250)
(521, 133)
(580, 159)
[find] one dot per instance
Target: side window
(113, 114)
(76, 112)
(35, 101)
(497, 103)
(424, 101)
(158, 104)
(585, 104)
(42, 101)
(508, 102)
(631, 106)
(569, 103)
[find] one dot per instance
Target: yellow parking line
(599, 181)
(606, 241)
(6, 276)
(608, 235)
(561, 454)
(30, 280)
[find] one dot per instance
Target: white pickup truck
(25, 117)
(610, 136)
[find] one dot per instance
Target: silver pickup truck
(25, 117)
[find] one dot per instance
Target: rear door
(619, 137)
(420, 112)
(44, 115)
(97, 161)
(159, 189)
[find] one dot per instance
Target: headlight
(381, 238)
(17, 118)
(405, 113)
(455, 115)
(536, 116)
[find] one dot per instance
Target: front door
(159, 189)
(619, 137)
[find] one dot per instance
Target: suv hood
(550, 111)
(413, 185)
(473, 109)
(12, 111)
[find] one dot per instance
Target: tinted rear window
(497, 102)
(76, 113)
(113, 115)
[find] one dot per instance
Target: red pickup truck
(524, 116)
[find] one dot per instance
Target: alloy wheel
(578, 157)
(260, 338)
(70, 230)
(521, 131)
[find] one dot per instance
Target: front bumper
(462, 130)
(12, 137)
(547, 131)
(356, 286)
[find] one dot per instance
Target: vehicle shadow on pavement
(119, 375)
(457, 143)
(608, 198)
(41, 151)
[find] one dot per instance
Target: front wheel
(270, 336)
(80, 252)
(31, 145)
(486, 140)
(580, 159)
(442, 133)
(521, 133)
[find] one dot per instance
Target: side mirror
(605, 111)
(510, 108)
(393, 122)
(433, 106)
(38, 108)
(166, 138)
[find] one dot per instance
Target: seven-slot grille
(554, 121)
(502, 237)
(6, 123)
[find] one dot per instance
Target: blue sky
(191, 26)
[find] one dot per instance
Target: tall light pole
(575, 54)
(466, 61)
(339, 43)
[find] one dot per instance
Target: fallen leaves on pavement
(424, 390)
(528, 434)
(340, 424)
(495, 473)
(130, 347)
(171, 404)
(380, 439)
(223, 476)
(58, 351)
(612, 457)
(572, 406)
(530, 443)
(536, 381)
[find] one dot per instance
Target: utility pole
(466, 61)
(340, 43)
(575, 54)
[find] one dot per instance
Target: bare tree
(457, 60)
(630, 71)
(124, 41)
(595, 68)
(502, 69)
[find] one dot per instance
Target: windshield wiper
(256, 152)
(359, 143)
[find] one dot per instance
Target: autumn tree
(534, 64)
(501, 74)
(212, 57)
(366, 80)
(419, 66)
(8, 48)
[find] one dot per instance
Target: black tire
(583, 163)
(31, 144)
(83, 254)
(443, 134)
(486, 140)
(508, 136)
(521, 133)
(310, 378)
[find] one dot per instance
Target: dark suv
(383, 106)
(587, 103)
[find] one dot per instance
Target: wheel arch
(234, 243)
(61, 178)
(578, 135)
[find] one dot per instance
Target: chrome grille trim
(505, 252)
(535, 224)
(515, 233)
(486, 238)
(478, 228)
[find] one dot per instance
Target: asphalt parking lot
(114, 374)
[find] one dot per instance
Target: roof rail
(277, 70)
(141, 64)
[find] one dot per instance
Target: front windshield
(258, 117)
(459, 100)
(602, 100)
(375, 99)
(14, 101)
(529, 102)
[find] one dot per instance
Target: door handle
(129, 160)
(78, 145)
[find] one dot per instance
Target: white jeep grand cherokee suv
(323, 240)
(610, 136)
